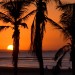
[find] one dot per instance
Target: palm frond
(66, 20)
(54, 23)
(44, 7)
(62, 50)
(3, 27)
(66, 17)
(29, 14)
(59, 62)
(5, 18)
(32, 35)
(58, 54)
(66, 33)
(24, 25)
(42, 29)
(65, 6)
(14, 8)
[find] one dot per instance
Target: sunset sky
(53, 38)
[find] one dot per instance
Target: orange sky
(53, 39)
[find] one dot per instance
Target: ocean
(26, 59)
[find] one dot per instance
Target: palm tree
(38, 35)
(60, 54)
(14, 9)
(38, 27)
(37, 31)
(67, 19)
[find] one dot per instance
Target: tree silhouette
(14, 10)
(68, 21)
(37, 31)
(60, 54)
(38, 28)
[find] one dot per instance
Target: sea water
(26, 59)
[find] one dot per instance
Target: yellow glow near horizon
(10, 47)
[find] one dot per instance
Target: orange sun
(10, 47)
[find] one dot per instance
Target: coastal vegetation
(14, 12)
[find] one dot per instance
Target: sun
(10, 47)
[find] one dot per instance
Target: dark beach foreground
(31, 71)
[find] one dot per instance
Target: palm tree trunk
(73, 40)
(40, 60)
(39, 38)
(38, 47)
(72, 57)
(15, 49)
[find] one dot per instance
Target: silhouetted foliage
(14, 10)
(3, 27)
(37, 30)
(59, 57)
(67, 19)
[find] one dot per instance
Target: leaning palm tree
(67, 19)
(14, 10)
(59, 56)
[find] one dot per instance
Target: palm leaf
(32, 35)
(3, 27)
(24, 25)
(12, 9)
(54, 23)
(5, 18)
(29, 14)
(66, 33)
(61, 51)
(42, 29)
(66, 19)
(15, 6)
(65, 6)
(58, 54)
(59, 63)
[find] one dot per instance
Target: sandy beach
(31, 71)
